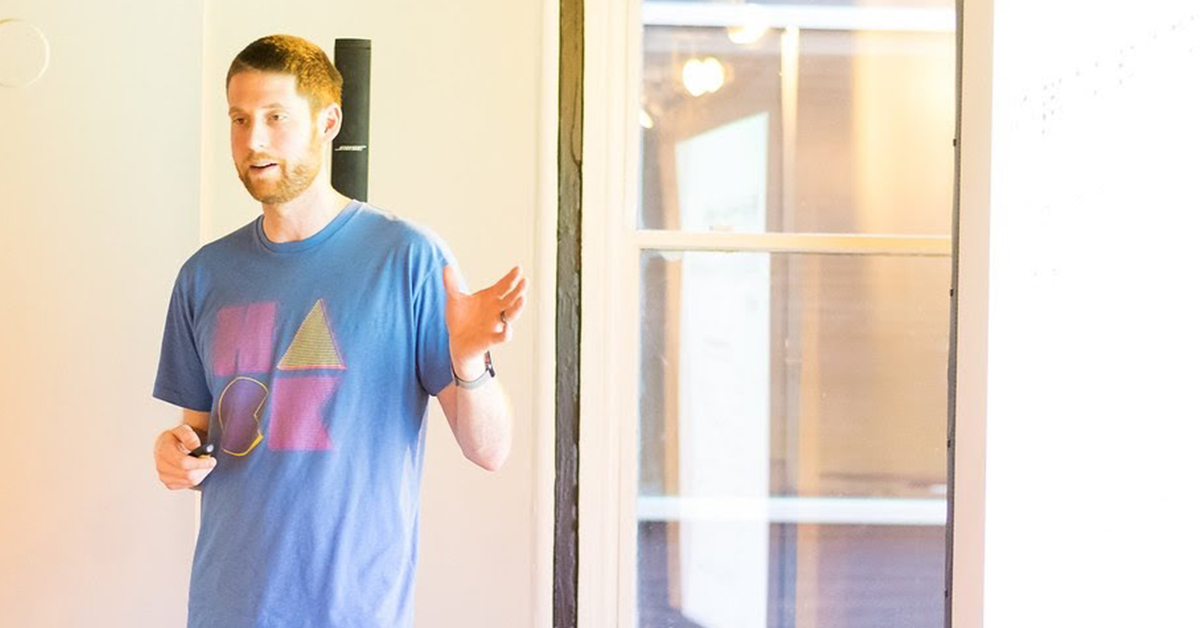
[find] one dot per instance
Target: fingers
(517, 292)
(513, 311)
(186, 472)
(502, 288)
(188, 463)
(492, 311)
(511, 306)
(185, 479)
(502, 336)
(187, 437)
(176, 469)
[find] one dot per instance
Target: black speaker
(351, 148)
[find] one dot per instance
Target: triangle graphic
(313, 346)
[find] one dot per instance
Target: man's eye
(278, 116)
(239, 120)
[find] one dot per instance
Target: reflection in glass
(784, 390)
(849, 577)
(857, 125)
(818, 375)
(792, 407)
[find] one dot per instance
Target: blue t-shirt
(316, 360)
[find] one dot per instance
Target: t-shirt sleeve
(181, 380)
(429, 313)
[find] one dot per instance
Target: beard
(292, 181)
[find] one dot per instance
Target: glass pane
(792, 403)
(876, 577)
(794, 129)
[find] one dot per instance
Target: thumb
(450, 279)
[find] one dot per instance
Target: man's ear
(330, 121)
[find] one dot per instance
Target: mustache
(255, 158)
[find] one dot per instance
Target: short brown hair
(317, 80)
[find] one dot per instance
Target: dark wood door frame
(567, 310)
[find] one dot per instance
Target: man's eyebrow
(274, 105)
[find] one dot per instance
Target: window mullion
(826, 243)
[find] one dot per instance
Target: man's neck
(304, 215)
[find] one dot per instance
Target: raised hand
(479, 321)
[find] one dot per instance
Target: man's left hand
(479, 321)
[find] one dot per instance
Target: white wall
(116, 167)
(99, 194)
(1091, 336)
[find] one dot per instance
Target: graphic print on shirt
(239, 410)
(242, 347)
(243, 342)
(296, 409)
(313, 347)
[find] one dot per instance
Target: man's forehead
(273, 105)
(262, 90)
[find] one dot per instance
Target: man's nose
(257, 136)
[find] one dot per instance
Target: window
(777, 313)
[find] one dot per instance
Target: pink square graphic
(243, 341)
(297, 410)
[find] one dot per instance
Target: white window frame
(608, 458)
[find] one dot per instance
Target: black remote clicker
(203, 451)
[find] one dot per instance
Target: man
(305, 347)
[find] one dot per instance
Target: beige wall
(116, 167)
(99, 193)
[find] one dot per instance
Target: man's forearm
(483, 424)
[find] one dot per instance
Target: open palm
(481, 320)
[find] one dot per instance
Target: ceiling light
(753, 26)
(703, 77)
(645, 120)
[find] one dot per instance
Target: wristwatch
(488, 373)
